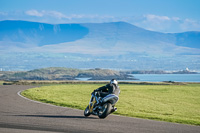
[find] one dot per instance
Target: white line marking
(19, 94)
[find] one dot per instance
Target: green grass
(1, 82)
(172, 103)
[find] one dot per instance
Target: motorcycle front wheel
(87, 111)
(105, 111)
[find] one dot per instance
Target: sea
(161, 77)
(168, 77)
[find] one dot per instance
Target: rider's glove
(94, 92)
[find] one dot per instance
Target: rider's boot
(113, 109)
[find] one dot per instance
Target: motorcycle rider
(111, 88)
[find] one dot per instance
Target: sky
(168, 16)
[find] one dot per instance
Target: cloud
(34, 13)
(189, 24)
(152, 17)
(55, 14)
(165, 23)
(154, 22)
(59, 15)
(176, 18)
(45, 13)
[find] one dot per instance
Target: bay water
(159, 77)
(168, 77)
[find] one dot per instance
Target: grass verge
(171, 103)
(1, 82)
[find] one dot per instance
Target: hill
(93, 36)
(58, 73)
(39, 34)
(27, 45)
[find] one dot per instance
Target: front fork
(93, 101)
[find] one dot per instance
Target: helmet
(113, 81)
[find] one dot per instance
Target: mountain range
(117, 45)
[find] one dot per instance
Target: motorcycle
(101, 107)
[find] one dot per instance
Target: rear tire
(106, 109)
(87, 111)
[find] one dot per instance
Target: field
(172, 103)
(1, 82)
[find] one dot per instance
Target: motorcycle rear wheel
(87, 111)
(105, 111)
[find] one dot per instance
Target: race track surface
(19, 115)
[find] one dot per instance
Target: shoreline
(45, 82)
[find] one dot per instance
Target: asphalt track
(20, 115)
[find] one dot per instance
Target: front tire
(87, 111)
(105, 111)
